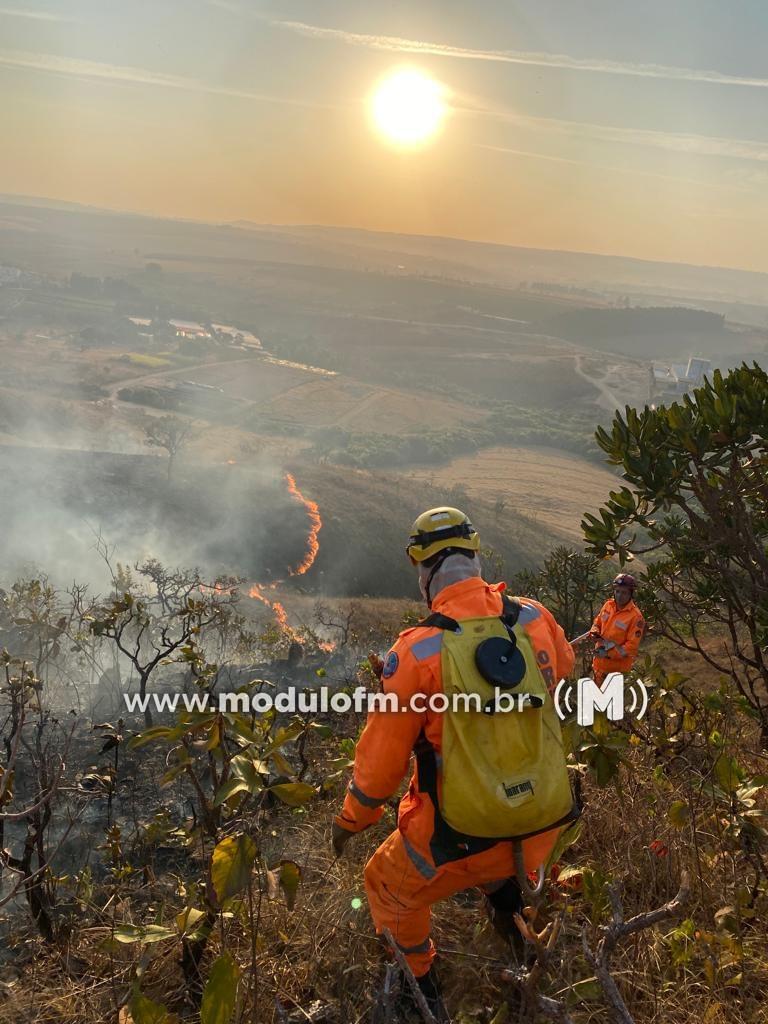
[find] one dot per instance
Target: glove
(377, 665)
(339, 838)
(605, 648)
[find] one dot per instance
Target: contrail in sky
(80, 68)
(397, 44)
(17, 12)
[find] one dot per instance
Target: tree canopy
(695, 505)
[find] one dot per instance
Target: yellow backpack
(504, 772)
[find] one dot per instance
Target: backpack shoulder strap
(510, 610)
(438, 621)
(509, 615)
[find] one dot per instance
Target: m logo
(609, 697)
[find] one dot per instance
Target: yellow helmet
(441, 528)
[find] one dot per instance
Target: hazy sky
(636, 128)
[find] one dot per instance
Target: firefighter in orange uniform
(424, 860)
(617, 630)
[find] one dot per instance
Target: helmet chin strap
(432, 573)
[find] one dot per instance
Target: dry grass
(546, 484)
(146, 361)
(324, 949)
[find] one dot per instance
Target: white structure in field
(244, 338)
(677, 378)
(189, 329)
(192, 329)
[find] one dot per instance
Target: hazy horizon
(54, 202)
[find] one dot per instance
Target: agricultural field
(314, 398)
(545, 484)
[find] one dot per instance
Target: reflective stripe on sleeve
(428, 647)
(423, 947)
(528, 613)
(363, 798)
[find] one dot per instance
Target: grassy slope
(547, 485)
(230, 519)
(366, 519)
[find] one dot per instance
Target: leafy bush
(698, 491)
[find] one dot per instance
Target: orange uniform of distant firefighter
(411, 869)
(620, 631)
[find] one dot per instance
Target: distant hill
(647, 333)
(510, 264)
(505, 265)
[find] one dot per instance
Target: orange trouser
(602, 666)
(402, 883)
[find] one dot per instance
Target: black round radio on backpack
(499, 662)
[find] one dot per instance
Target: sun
(408, 107)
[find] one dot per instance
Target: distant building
(669, 381)
(193, 329)
(189, 329)
(237, 337)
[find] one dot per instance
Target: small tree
(698, 499)
(33, 621)
(35, 752)
(235, 763)
(165, 622)
(169, 433)
(569, 583)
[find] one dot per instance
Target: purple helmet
(625, 579)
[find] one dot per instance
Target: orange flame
(316, 523)
(313, 546)
(281, 615)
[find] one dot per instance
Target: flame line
(316, 524)
(313, 547)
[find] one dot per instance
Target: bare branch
(600, 959)
(408, 974)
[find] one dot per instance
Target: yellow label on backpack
(503, 774)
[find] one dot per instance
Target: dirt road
(606, 399)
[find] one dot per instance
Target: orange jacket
(621, 630)
(413, 666)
